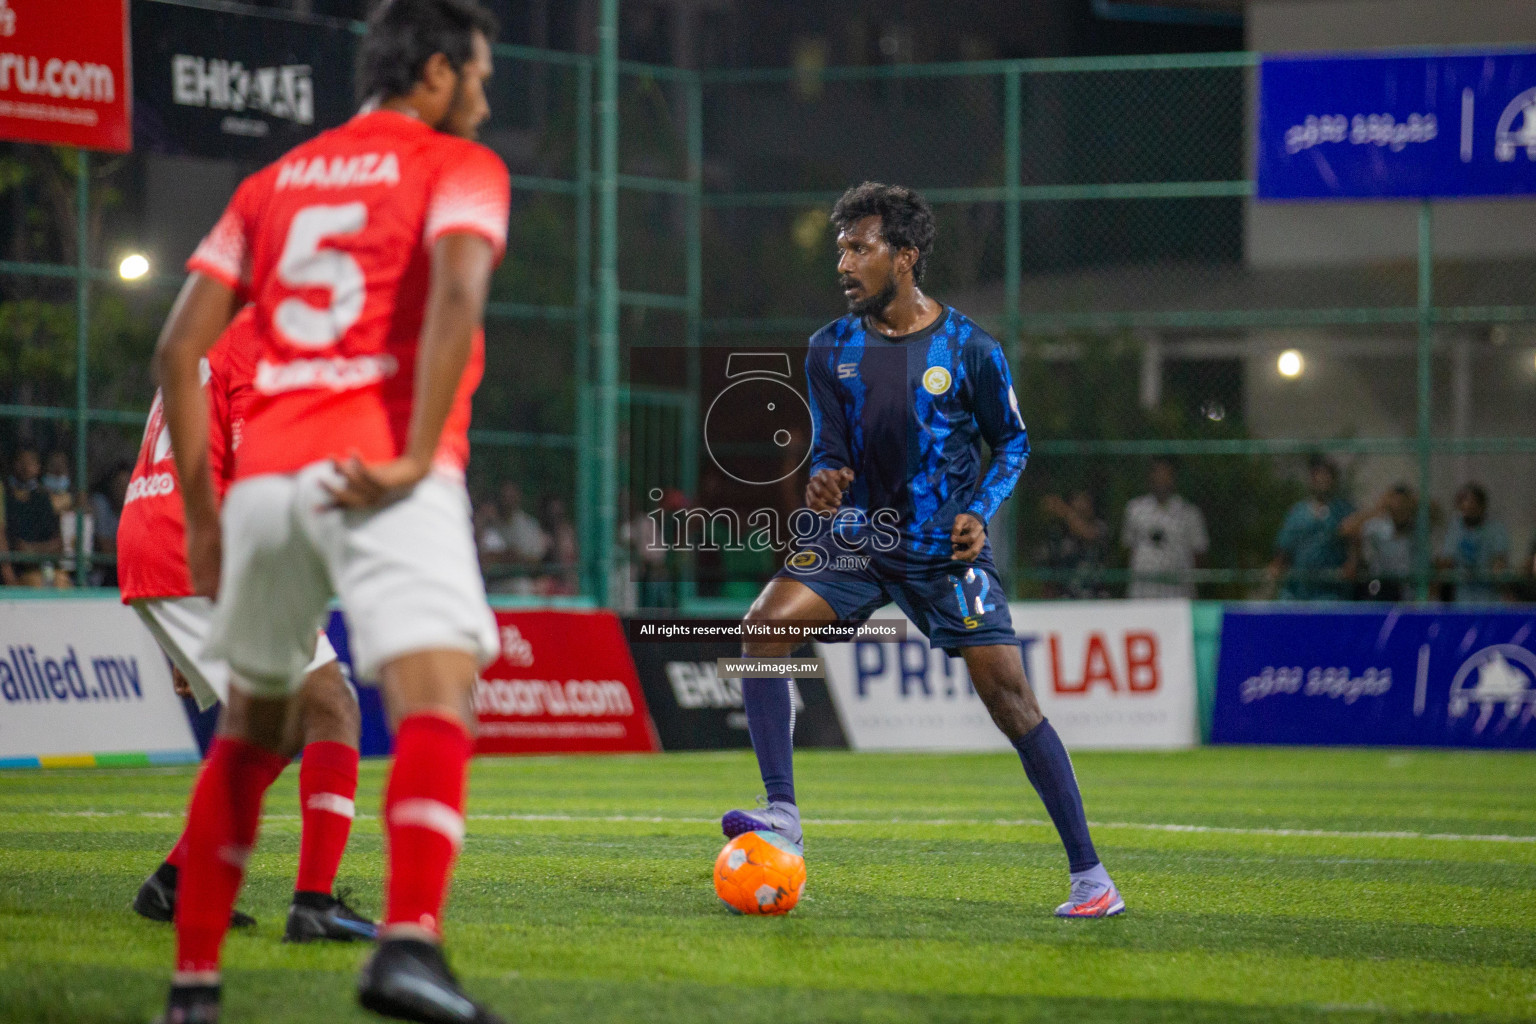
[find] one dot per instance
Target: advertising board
(82, 683)
(1383, 676)
(694, 708)
(1352, 126)
(1108, 675)
(228, 85)
(564, 683)
(64, 80)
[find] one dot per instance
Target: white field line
(1135, 826)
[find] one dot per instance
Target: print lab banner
(64, 75)
(225, 85)
(1108, 674)
(1391, 678)
(82, 682)
(1348, 126)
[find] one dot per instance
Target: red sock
(424, 816)
(221, 830)
(327, 784)
(177, 858)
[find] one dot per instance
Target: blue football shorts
(954, 604)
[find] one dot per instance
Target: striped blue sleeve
(828, 421)
(996, 408)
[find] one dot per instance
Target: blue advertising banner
(1377, 677)
(1381, 127)
(375, 740)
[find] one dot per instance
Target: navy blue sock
(1050, 772)
(771, 721)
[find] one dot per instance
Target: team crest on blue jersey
(805, 561)
(936, 380)
(847, 371)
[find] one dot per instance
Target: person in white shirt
(526, 539)
(1165, 535)
(1388, 549)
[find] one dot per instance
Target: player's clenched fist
(967, 537)
(368, 486)
(825, 491)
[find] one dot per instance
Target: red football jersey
(152, 532)
(333, 246)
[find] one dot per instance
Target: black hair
(404, 34)
(1477, 491)
(104, 480)
(1166, 460)
(1316, 462)
(906, 219)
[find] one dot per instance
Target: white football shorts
(406, 573)
(180, 625)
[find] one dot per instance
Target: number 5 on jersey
(305, 263)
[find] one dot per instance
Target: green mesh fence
(1094, 214)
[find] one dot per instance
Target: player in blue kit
(903, 391)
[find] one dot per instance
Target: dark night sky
(768, 32)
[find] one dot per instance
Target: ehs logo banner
(1383, 677)
(695, 709)
(83, 676)
(233, 86)
(1108, 674)
(64, 73)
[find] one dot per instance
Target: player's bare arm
(461, 275)
(824, 493)
(202, 311)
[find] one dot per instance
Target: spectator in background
(106, 507)
(7, 570)
(491, 543)
(1474, 548)
(1076, 546)
(562, 548)
(1165, 535)
(57, 480)
(1312, 556)
(1384, 537)
(31, 522)
(651, 536)
(1525, 590)
(488, 536)
(526, 540)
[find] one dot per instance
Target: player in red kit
(367, 255)
(152, 572)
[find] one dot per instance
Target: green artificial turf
(1262, 885)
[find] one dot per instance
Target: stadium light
(134, 266)
(1290, 363)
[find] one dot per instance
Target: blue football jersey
(908, 416)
